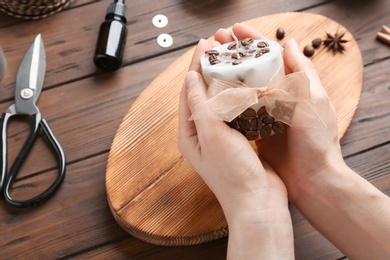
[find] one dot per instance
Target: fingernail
(294, 44)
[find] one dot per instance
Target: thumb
(197, 100)
(295, 61)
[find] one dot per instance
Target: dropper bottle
(112, 37)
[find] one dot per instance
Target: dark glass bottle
(111, 41)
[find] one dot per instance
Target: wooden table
(84, 107)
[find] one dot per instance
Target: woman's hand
(252, 196)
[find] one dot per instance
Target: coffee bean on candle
(277, 112)
(233, 123)
(278, 127)
(262, 44)
(234, 55)
(308, 51)
(266, 131)
(259, 54)
(232, 46)
(265, 50)
(316, 43)
(212, 52)
(250, 113)
(259, 124)
(244, 124)
(252, 135)
(254, 124)
(268, 119)
(247, 41)
(214, 61)
(280, 33)
(261, 111)
(236, 62)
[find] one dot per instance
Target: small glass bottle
(112, 37)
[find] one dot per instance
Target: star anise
(335, 42)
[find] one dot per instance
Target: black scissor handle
(10, 177)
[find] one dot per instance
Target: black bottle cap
(118, 8)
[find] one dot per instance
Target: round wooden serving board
(153, 192)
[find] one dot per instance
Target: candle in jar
(255, 63)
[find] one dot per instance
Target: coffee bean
(213, 62)
(288, 110)
(277, 112)
(316, 43)
(254, 124)
(247, 41)
(265, 131)
(262, 111)
(262, 44)
(268, 119)
(265, 50)
(259, 124)
(252, 135)
(244, 124)
(280, 33)
(250, 113)
(233, 123)
(234, 55)
(259, 54)
(236, 62)
(278, 127)
(232, 46)
(308, 51)
(212, 52)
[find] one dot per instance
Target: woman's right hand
(304, 152)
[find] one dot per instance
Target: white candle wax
(261, 61)
(254, 72)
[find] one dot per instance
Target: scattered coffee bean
(280, 33)
(316, 43)
(266, 131)
(308, 50)
(262, 44)
(252, 135)
(212, 52)
(278, 127)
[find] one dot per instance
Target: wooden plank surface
(85, 106)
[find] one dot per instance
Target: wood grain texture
(153, 192)
(84, 107)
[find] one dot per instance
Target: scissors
(28, 87)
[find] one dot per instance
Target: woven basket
(33, 9)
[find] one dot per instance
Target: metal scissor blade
(31, 72)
